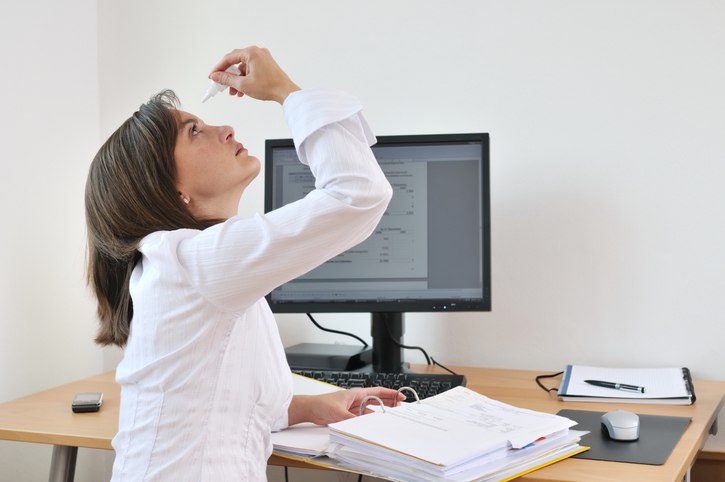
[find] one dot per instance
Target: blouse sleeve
(235, 263)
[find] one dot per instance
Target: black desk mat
(658, 436)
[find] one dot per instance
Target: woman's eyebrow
(190, 120)
(183, 125)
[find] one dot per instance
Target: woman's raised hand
(261, 78)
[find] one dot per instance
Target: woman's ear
(184, 197)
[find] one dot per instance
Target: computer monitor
(431, 251)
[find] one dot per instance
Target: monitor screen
(431, 250)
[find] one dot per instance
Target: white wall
(49, 131)
(606, 121)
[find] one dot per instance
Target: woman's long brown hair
(131, 193)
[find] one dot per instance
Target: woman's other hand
(337, 406)
(261, 78)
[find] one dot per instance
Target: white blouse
(204, 376)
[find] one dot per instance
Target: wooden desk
(46, 417)
(518, 388)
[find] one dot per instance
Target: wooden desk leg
(712, 431)
(63, 464)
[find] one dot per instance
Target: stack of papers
(458, 435)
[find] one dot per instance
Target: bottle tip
(206, 97)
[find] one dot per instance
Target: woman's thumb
(221, 77)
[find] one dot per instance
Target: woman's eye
(195, 129)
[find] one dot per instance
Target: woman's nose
(227, 133)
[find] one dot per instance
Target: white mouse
(621, 425)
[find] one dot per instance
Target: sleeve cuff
(311, 109)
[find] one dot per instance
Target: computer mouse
(621, 425)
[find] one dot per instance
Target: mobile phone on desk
(87, 402)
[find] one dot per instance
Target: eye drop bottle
(216, 87)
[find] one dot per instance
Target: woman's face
(212, 168)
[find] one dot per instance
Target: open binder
(664, 386)
(458, 435)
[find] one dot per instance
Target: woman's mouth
(240, 148)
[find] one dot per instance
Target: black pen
(616, 386)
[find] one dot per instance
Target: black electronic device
(431, 252)
(425, 384)
(319, 356)
(87, 402)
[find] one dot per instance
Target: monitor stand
(387, 330)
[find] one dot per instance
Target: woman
(180, 279)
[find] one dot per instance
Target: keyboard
(426, 385)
